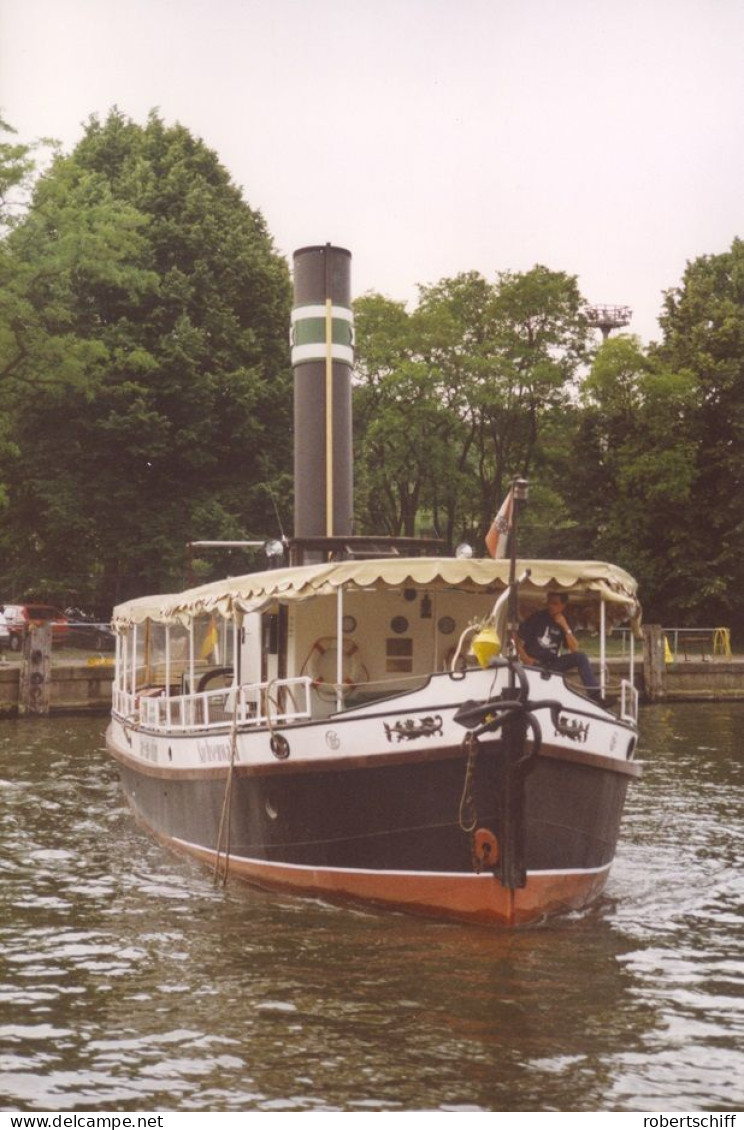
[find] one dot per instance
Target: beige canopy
(585, 580)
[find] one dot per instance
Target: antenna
(608, 318)
(276, 511)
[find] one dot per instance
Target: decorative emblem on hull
(572, 728)
(414, 728)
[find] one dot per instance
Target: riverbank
(77, 686)
(713, 680)
(695, 680)
(83, 686)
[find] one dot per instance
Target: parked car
(87, 630)
(14, 617)
(4, 633)
(21, 617)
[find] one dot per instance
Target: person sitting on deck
(542, 635)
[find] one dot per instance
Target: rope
(467, 801)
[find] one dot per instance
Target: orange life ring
(354, 671)
(486, 849)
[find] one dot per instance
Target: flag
(497, 537)
(210, 642)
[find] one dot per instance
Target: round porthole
(279, 746)
(409, 594)
(446, 625)
(349, 624)
(399, 625)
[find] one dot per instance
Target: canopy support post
(602, 646)
(118, 664)
(192, 673)
(167, 676)
(339, 647)
(133, 669)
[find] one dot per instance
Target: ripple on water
(128, 982)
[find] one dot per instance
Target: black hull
(397, 819)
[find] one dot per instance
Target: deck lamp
(521, 490)
(274, 550)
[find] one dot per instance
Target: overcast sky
(428, 136)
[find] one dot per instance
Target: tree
(703, 325)
(634, 471)
(17, 170)
(17, 166)
(152, 370)
(408, 430)
(457, 392)
(514, 356)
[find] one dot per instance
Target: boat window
(154, 660)
(398, 655)
(178, 657)
(138, 644)
(209, 641)
(213, 648)
(271, 633)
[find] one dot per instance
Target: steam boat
(349, 724)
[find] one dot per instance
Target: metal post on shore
(654, 669)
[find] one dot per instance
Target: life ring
(321, 664)
(486, 850)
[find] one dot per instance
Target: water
(128, 983)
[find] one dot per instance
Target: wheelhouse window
(398, 655)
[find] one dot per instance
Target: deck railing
(628, 702)
(258, 704)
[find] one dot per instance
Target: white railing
(279, 700)
(124, 704)
(258, 704)
(628, 702)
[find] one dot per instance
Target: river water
(127, 982)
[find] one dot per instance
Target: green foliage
(454, 396)
(639, 459)
(635, 471)
(703, 325)
(143, 346)
(144, 367)
(405, 420)
(16, 166)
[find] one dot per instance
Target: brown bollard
(654, 668)
(36, 671)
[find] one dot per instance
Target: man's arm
(524, 637)
(569, 638)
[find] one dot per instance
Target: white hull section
(419, 721)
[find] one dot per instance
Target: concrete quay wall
(79, 688)
(75, 688)
(699, 681)
(712, 680)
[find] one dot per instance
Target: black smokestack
(322, 359)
